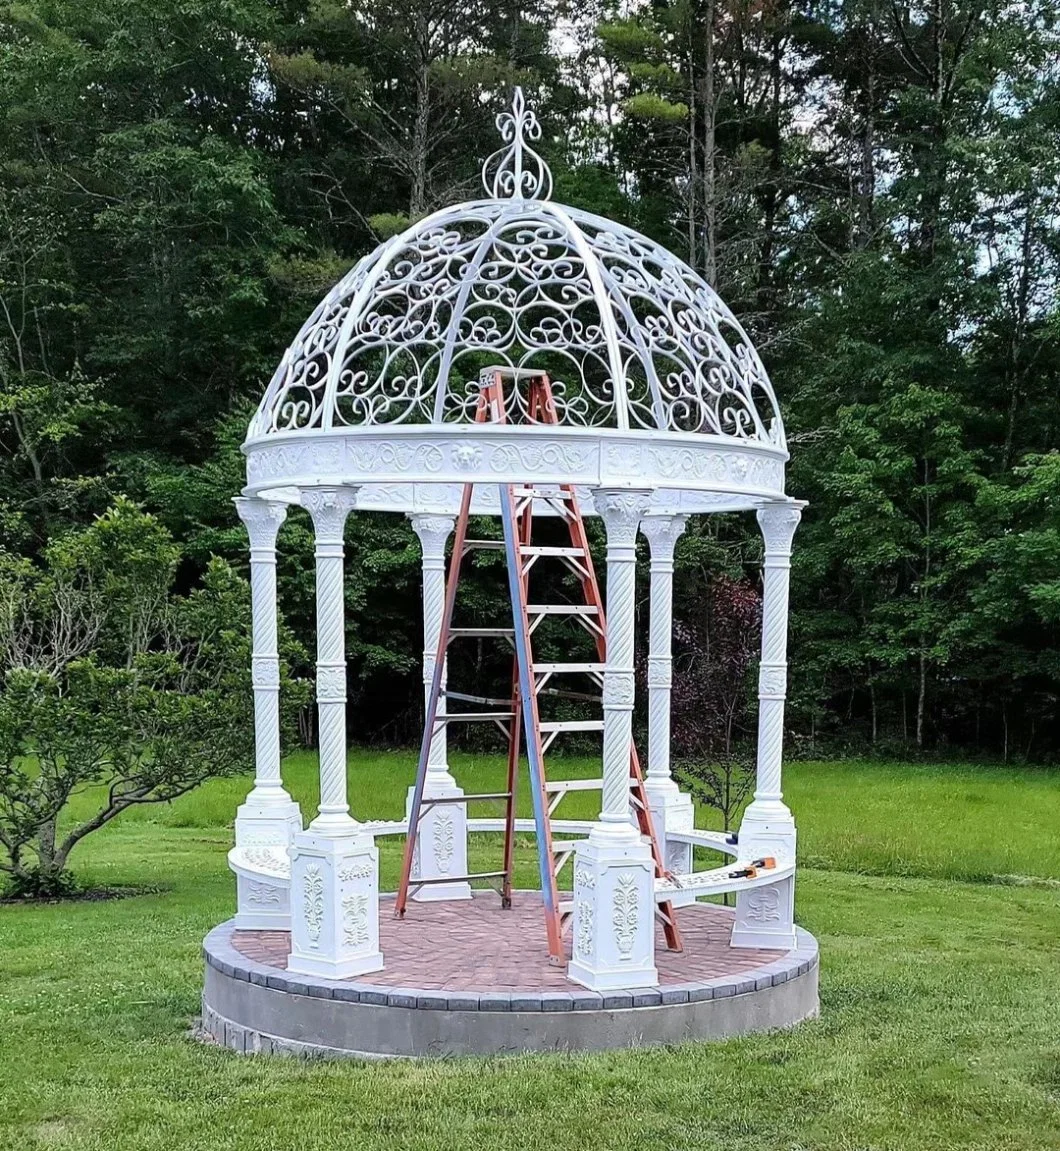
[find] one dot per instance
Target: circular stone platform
(468, 979)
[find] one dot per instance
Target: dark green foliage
(114, 687)
(874, 189)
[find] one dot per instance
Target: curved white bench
(270, 867)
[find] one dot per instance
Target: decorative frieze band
(265, 671)
(660, 671)
(619, 689)
(401, 454)
(772, 680)
(331, 683)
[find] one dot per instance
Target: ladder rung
(542, 550)
(562, 609)
(432, 801)
(574, 784)
(479, 632)
(490, 701)
(473, 716)
(569, 668)
(484, 545)
(459, 878)
(572, 725)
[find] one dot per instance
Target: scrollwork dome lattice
(631, 336)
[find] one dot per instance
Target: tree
(711, 696)
(115, 692)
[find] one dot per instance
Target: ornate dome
(631, 337)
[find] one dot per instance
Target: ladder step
(473, 716)
(484, 545)
(574, 784)
(488, 700)
(542, 550)
(569, 668)
(479, 632)
(433, 801)
(562, 609)
(459, 878)
(572, 725)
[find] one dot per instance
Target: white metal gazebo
(665, 411)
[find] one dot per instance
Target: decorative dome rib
(631, 336)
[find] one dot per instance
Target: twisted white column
(621, 510)
(329, 508)
(263, 519)
(614, 873)
(433, 532)
(672, 811)
(765, 915)
(778, 523)
(441, 848)
(661, 532)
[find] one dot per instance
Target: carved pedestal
(765, 915)
(265, 824)
(334, 906)
(672, 810)
(614, 914)
(441, 845)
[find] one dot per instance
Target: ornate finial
(518, 172)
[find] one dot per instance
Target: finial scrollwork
(516, 171)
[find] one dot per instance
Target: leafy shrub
(113, 684)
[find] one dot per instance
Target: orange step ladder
(519, 713)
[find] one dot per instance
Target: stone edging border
(219, 953)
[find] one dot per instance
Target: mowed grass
(940, 997)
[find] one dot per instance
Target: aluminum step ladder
(519, 713)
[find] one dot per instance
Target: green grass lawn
(934, 892)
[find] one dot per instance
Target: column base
(272, 820)
(614, 912)
(765, 916)
(672, 810)
(441, 845)
(266, 821)
(261, 905)
(334, 905)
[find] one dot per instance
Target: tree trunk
(710, 116)
(867, 168)
(421, 123)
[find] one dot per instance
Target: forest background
(873, 187)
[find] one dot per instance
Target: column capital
(778, 522)
(661, 530)
(433, 530)
(329, 508)
(263, 519)
(621, 509)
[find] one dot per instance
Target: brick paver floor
(477, 946)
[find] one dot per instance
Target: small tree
(115, 687)
(714, 655)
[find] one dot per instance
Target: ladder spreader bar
(480, 632)
(434, 801)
